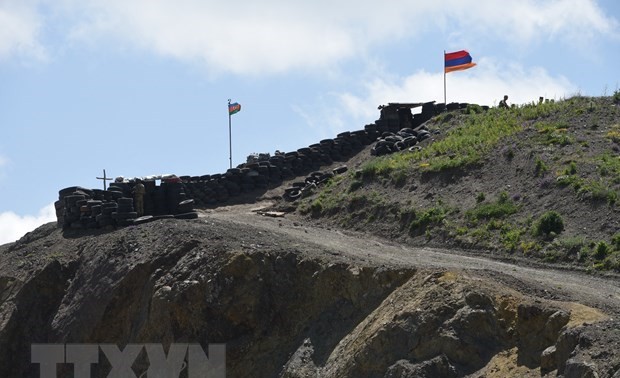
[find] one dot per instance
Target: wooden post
(104, 179)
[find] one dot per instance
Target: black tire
(340, 170)
(144, 219)
(190, 215)
(166, 216)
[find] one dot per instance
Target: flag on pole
(234, 108)
(457, 61)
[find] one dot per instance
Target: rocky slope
(285, 306)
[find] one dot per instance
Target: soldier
(504, 103)
(138, 193)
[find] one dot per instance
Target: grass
(540, 168)
(554, 133)
(462, 146)
(609, 166)
(424, 219)
(501, 208)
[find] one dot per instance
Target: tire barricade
(81, 208)
(405, 139)
(397, 129)
(301, 188)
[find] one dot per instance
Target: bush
(549, 222)
(615, 241)
(602, 250)
(540, 167)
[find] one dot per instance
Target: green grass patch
(425, 219)
(554, 133)
(499, 209)
(609, 166)
(510, 237)
(598, 191)
(461, 146)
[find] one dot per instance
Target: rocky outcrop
(283, 308)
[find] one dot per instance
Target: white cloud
(13, 226)
(572, 21)
(278, 35)
(20, 25)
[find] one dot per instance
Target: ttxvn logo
(179, 357)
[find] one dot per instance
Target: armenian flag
(233, 108)
(457, 61)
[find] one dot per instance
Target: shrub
(355, 185)
(480, 197)
(549, 222)
(602, 250)
(615, 241)
(540, 167)
(571, 169)
(425, 219)
(502, 208)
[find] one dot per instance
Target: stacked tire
(125, 214)
(105, 218)
(68, 206)
(186, 210)
(299, 188)
(403, 140)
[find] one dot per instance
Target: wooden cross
(104, 178)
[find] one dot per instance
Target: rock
(437, 367)
(548, 360)
(579, 369)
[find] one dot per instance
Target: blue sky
(140, 87)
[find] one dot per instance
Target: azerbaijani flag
(234, 108)
(457, 61)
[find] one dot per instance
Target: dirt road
(556, 284)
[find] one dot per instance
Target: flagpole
(229, 135)
(444, 77)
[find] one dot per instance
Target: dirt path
(564, 285)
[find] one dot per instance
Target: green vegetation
(540, 168)
(601, 251)
(554, 133)
(549, 222)
(595, 190)
(501, 208)
(422, 220)
(462, 146)
(609, 166)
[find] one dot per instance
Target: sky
(140, 87)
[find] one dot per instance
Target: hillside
(485, 180)
(434, 261)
